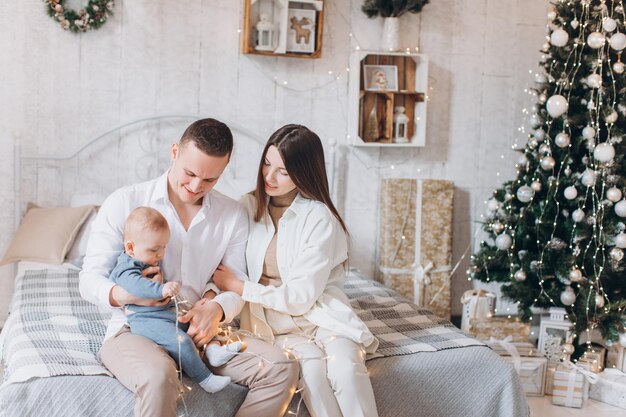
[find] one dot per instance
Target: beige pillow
(46, 234)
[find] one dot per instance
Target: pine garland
(392, 8)
(93, 16)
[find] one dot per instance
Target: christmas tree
(556, 232)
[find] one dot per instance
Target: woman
(297, 256)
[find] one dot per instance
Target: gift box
(610, 388)
(477, 304)
(549, 384)
(594, 357)
(569, 387)
(415, 244)
(529, 364)
(500, 327)
(615, 357)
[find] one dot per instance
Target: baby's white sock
(219, 355)
(214, 383)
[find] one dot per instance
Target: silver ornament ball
(562, 140)
(596, 40)
(570, 192)
(616, 254)
(620, 240)
(547, 163)
(604, 152)
(504, 241)
(536, 186)
(618, 67)
(575, 275)
(519, 275)
(614, 194)
(525, 193)
(578, 215)
(620, 208)
(608, 24)
(568, 297)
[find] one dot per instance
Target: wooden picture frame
(380, 77)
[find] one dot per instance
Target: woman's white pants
(334, 379)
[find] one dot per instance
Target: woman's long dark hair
(303, 155)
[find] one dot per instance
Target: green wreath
(94, 15)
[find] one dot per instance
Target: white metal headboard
(107, 161)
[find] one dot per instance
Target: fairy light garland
(602, 105)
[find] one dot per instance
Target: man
(207, 228)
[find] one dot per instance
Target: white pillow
(79, 247)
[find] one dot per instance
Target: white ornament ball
(596, 40)
(493, 204)
(578, 215)
(551, 15)
(539, 134)
(542, 98)
(616, 254)
(525, 193)
(547, 163)
(589, 132)
(622, 339)
(503, 241)
(559, 38)
(568, 297)
(562, 140)
(589, 178)
(522, 160)
(574, 23)
(618, 41)
(536, 186)
(609, 24)
(594, 81)
(570, 192)
(575, 275)
(620, 208)
(620, 240)
(519, 275)
(611, 117)
(532, 143)
(604, 152)
(599, 301)
(614, 194)
(557, 105)
(618, 67)
(508, 197)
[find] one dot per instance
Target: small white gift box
(570, 386)
(477, 304)
(610, 388)
(529, 364)
(615, 357)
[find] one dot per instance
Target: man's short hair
(211, 136)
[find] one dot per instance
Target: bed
(49, 344)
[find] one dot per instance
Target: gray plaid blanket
(52, 331)
(400, 326)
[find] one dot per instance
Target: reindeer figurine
(302, 33)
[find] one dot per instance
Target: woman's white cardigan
(311, 248)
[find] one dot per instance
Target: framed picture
(301, 30)
(380, 77)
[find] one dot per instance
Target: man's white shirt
(217, 234)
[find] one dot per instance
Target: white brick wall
(58, 89)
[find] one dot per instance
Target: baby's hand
(170, 289)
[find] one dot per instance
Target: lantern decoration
(400, 126)
(554, 333)
(266, 34)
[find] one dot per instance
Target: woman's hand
(226, 280)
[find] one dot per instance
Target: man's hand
(226, 280)
(204, 319)
(118, 297)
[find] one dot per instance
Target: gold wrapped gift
(499, 327)
(569, 385)
(416, 240)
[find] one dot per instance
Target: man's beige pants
(150, 373)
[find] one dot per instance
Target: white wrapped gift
(477, 304)
(610, 388)
(529, 364)
(570, 386)
(616, 357)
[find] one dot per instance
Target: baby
(146, 234)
